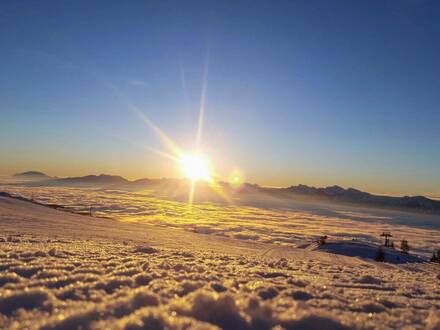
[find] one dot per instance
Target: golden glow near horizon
(196, 167)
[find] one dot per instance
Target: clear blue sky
(315, 92)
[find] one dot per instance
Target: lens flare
(236, 179)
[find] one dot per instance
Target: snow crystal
(219, 309)
(368, 279)
(27, 299)
(9, 278)
(433, 320)
(301, 295)
(314, 322)
(145, 249)
(142, 279)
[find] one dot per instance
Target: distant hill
(32, 175)
(102, 180)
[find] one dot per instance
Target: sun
(196, 167)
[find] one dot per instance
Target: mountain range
(331, 193)
(356, 196)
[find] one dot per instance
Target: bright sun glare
(195, 167)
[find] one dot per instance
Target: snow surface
(62, 270)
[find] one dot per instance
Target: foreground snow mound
(364, 250)
(68, 283)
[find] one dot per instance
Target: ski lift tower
(387, 236)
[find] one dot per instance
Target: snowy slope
(364, 250)
(65, 271)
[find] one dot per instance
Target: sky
(312, 92)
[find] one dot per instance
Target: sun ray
(147, 148)
(218, 189)
(202, 101)
(184, 87)
(169, 143)
(191, 195)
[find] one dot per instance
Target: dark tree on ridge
(404, 246)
